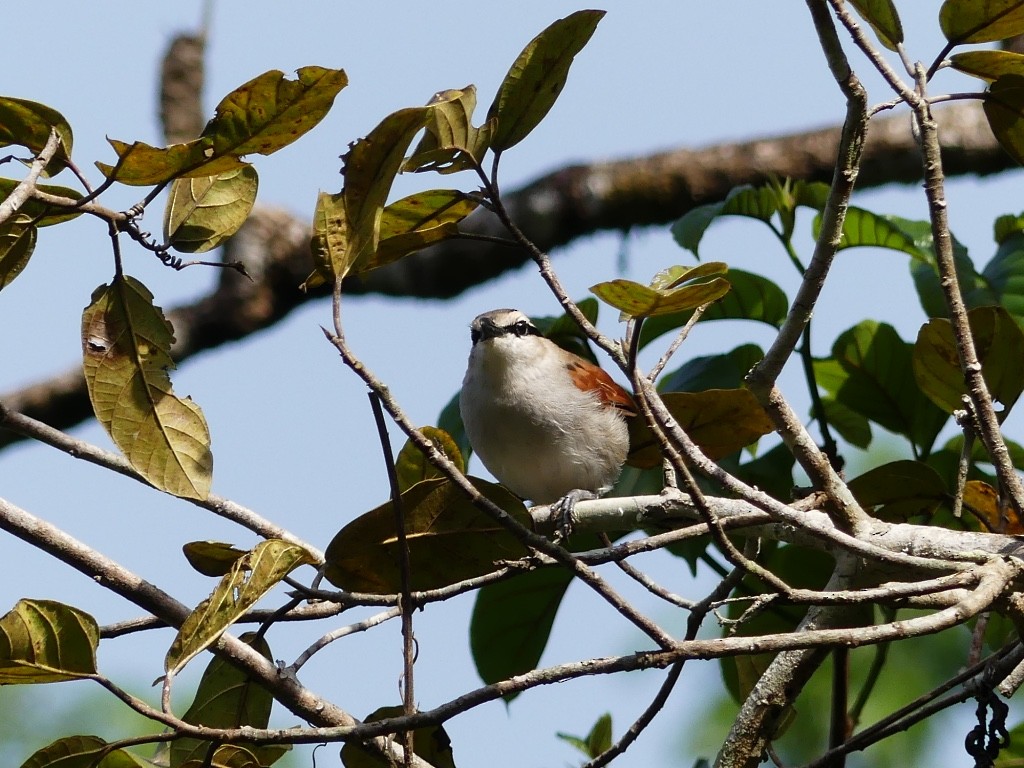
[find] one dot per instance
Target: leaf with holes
(251, 577)
(451, 143)
(203, 211)
(537, 77)
(126, 342)
(260, 117)
(42, 641)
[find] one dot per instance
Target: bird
(550, 426)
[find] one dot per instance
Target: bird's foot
(562, 512)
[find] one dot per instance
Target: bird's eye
(522, 328)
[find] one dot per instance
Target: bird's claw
(562, 512)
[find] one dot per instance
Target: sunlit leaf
(451, 143)
(975, 288)
(28, 124)
(227, 698)
(999, 343)
(430, 743)
(864, 228)
(759, 203)
(370, 168)
(126, 342)
(249, 579)
(982, 501)
(449, 540)
(900, 490)
(597, 741)
(82, 752)
(260, 117)
(720, 421)
(43, 214)
(875, 378)
(42, 641)
(971, 21)
(750, 297)
(235, 756)
(203, 211)
(537, 77)
(1004, 108)
(17, 241)
(988, 65)
(666, 295)
(329, 242)
(512, 621)
(211, 558)
(412, 465)
(1006, 226)
(883, 18)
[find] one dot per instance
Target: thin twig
(27, 186)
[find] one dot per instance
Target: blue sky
(292, 433)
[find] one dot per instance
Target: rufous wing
(590, 377)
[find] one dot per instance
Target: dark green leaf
(42, 641)
(211, 558)
(43, 214)
(537, 77)
(882, 16)
(82, 752)
(1004, 277)
(971, 21)
(17, 241)
(449, 540)
(1007, 225)
(875, 378)
(999, 343)
(853, 427)
(597, 741)
(28, 124)
(512, 620)
(1004, 108)
(431, 743)
(203, 211)
(771, 471)
(900, 490)
(564, 331)
(753, 202)
(725, 371)
(260, 117)
(863, 228)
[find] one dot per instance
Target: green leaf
(759, 203)
(537, 77)
(28, 124)
(228, 698)
(563, 330)
(725, 371)
(450, 420)
(451, 143)
(370, 168)
(512, 621)
(328, 244)
(262, 116)
(235, 756)
(771, 471)
(1004, 108)
(449, 540)
(431, 743)
(126, 343)
(720, 421)
(875, 378)
(900, 490)
(1006, 226)
(43, 214)
(999, 343)
(211, 558)
(971, 21)
(665, 295)
(853, 427)
(883, 18)
(17, 241)
(416, 221)
(82, 752)
(1004, 277)
(973, 287)
(597, 741)
(988, 65)
(42, 641)
(203, 211)
(863, 228)
(412, 465)
(751, 297)
(249, 579)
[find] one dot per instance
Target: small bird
(549, 425)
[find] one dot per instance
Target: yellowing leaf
(42, 641)
(28, 124)
(988, 65)
(211, 558)
(977, 21)
(982, 500)
(17, 241)
(262, 116)
(83, 752)
(720, 421)
(637, 300)
(203, 211)
(249, 579)
(450, 142)
(126, 342)
(537, 76)
(412, 465)
(449, 540)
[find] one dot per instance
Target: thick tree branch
(552, 211)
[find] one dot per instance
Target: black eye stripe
(524, 328)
